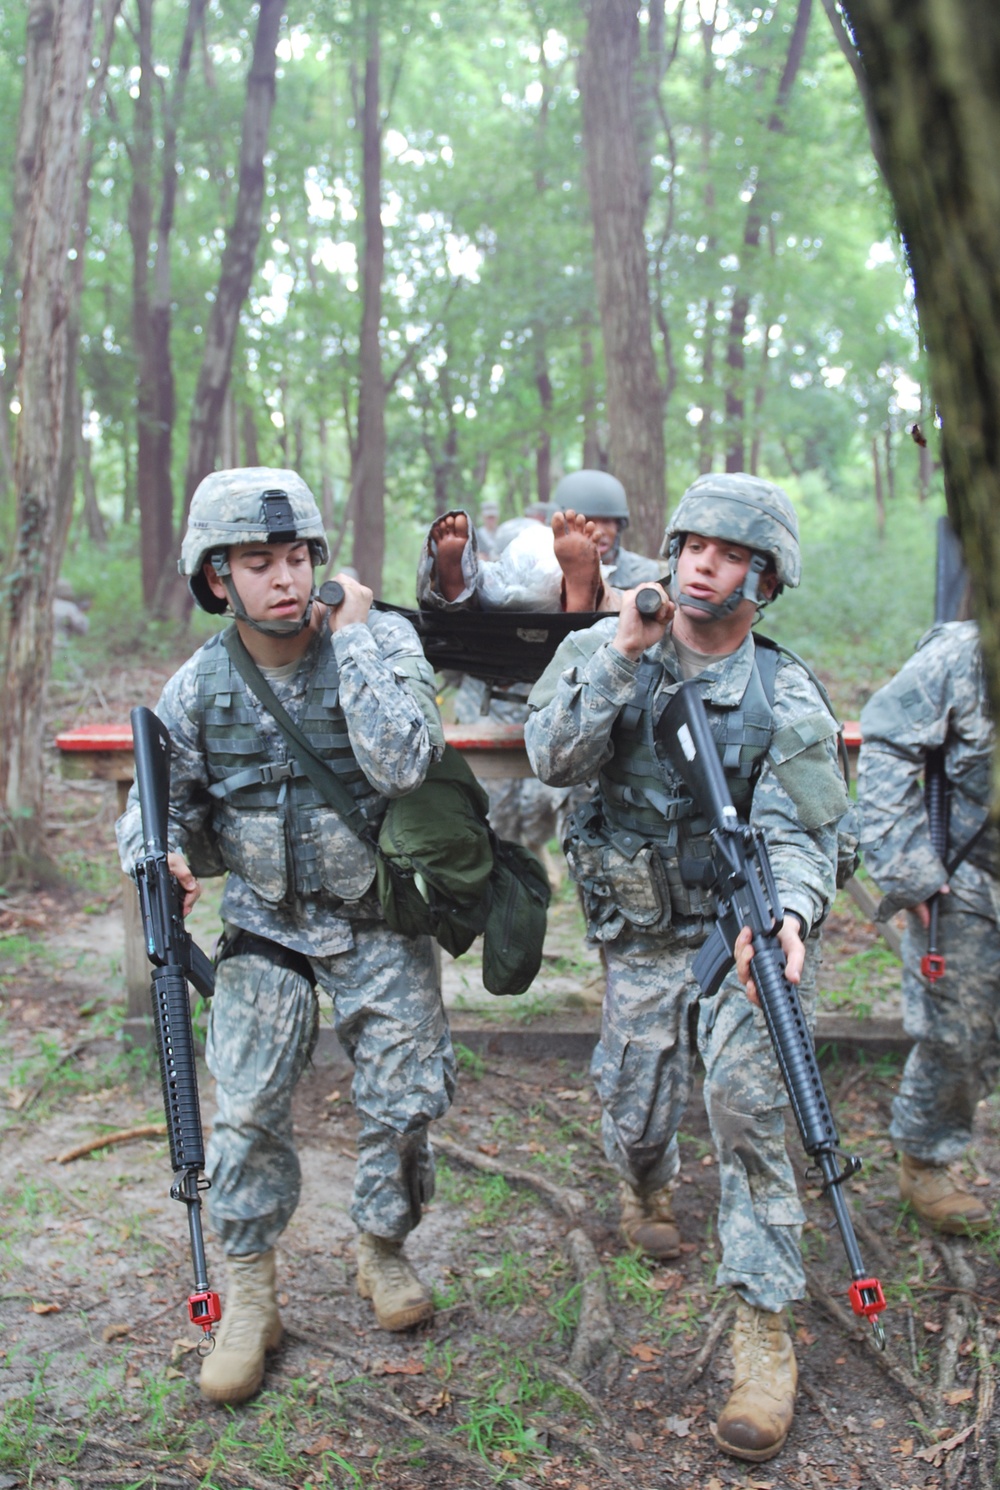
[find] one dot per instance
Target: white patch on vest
(686, 743)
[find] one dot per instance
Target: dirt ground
(555, 1358)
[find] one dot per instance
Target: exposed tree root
(595, 1331)
(569, 1203)
(106, 1140)
(432, 1440)
(707, 1349)
(849, 1324)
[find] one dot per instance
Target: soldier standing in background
(937, 703)
(300, 910)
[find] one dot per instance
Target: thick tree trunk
(238, 261)
(931, 68)
(634, 390)
(368, 465)
(44, 311)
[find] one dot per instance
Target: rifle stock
(746, 895)
(177, 960)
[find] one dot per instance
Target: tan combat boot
(648, 1222)
(250, 1326)
(941, 1198)
(756, 1420)
(386, 1277)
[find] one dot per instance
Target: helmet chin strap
(748, 590)
(268, 628)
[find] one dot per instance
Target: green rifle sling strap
(333, 792)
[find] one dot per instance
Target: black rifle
(950, 583)
(746, 895)
(177, 960)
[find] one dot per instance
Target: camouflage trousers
(955, 1022)
(263, 1025)
(654, 1020)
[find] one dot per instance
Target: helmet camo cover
(743, 509)
(228, 508)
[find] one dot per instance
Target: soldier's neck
(274, 651)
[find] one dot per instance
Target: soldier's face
(605, 533)
(712, 568)
(274, 580)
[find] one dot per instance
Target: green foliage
(864, 600)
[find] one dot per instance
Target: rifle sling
(333, 791)
(952, 864)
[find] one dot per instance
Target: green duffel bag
(515, 926)
(435, 857)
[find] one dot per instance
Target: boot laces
(754, 1344)
(395, 1270)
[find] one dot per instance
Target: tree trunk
(151, 292)
(735, 351)
(237, 266)
(593, 455)
(932, 68)
(73, 406)
(368, 465)
(39, 33)
(45, 308)
(634, 390)
(878, 488)
(543, 445)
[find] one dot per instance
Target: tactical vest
(274, 829)
(645, 797)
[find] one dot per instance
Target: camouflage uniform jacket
(385, 693)
(936, 700)
(799, 794)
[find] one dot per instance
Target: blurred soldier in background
(933, 715)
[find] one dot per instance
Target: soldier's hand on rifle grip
(637, 629)
(190, 886)
(791, 943)
(922, 910)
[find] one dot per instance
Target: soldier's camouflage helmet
(743, 509)
(594, 494)
(253, 504)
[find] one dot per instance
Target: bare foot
(579, 559)
(450, 534)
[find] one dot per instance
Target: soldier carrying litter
(637, 850)
(300, 912)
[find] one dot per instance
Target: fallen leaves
(37, 1307)
(935, 1453)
